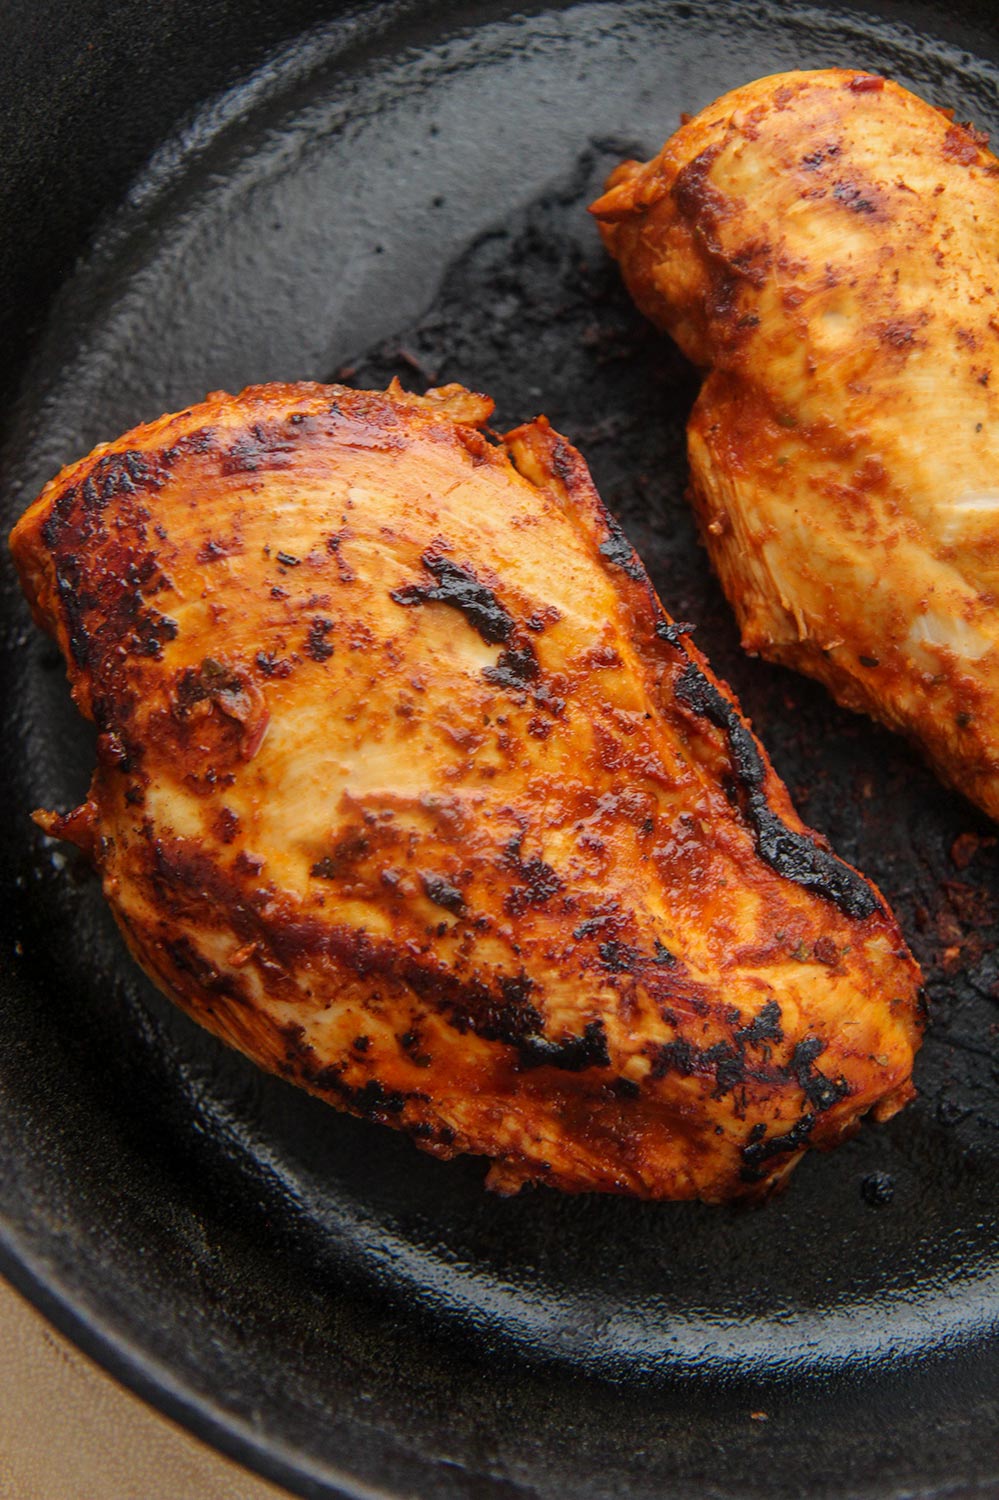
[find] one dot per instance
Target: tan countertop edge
(68, 1431)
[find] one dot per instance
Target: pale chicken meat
(824, 246)
(408, 788)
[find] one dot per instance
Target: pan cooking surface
(310, 1291)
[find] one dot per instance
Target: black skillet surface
(401, 189)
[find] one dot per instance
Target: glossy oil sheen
(402, 190)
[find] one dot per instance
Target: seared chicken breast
(824, 246)
(408, 788)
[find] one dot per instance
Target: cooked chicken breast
(824, 245)
(408, 788)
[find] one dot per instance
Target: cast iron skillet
(257, 192)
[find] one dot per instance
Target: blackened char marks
(261, 445)
(672, 631)
(497, 1011)
(118, 614)
(619, 957)
(517, 669)
(821, 1092)
(540, 883)
(470, 1004)
(725, 1062)
(442, 893)
(75, 602)
(730, 1066)
(317, 642)
(821, 155)
(791, 854)
(764, 1027)
(460, 588)
(370, 1100)
(153, 629)
(188, 960)
(513, 1020)
(572, 1054)
(77, 528)
(76, 514)
(618, 550)
(129, 473)
(518, 672)
(121, 474)
(214, 681)
(537, 881)
(759, 1150)
(373, 1100)
(679, 1056)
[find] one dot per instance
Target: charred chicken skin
(408, 788)
(823, 245)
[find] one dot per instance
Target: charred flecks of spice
(618, 550)
(157, 629)
(536, 883)
(731, 1067)
(618, 957)
(334, 545)
(214, 682)
(764, 1027)
(511, 1018)
(273, 666)
(601, 921)
(516, 670)
(458, 587)
(75, 604)
(317, 642)
(723, 1060)
(673, 631)
(411, 1043)
(790, 853)
(353, 846)
(187, 959)
(615, 954)
(821, 1092)
(572, 1054)
(501, 1012)
(150, 629)
(679, 1056)
(442, 893)
(508, 1017)
(261, 445)
(113, 476)
(759, 1149)
(371, 1100)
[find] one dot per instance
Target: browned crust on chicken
(824, 245)
(408, 788)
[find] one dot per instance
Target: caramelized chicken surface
(824, 246)
(408, 788)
